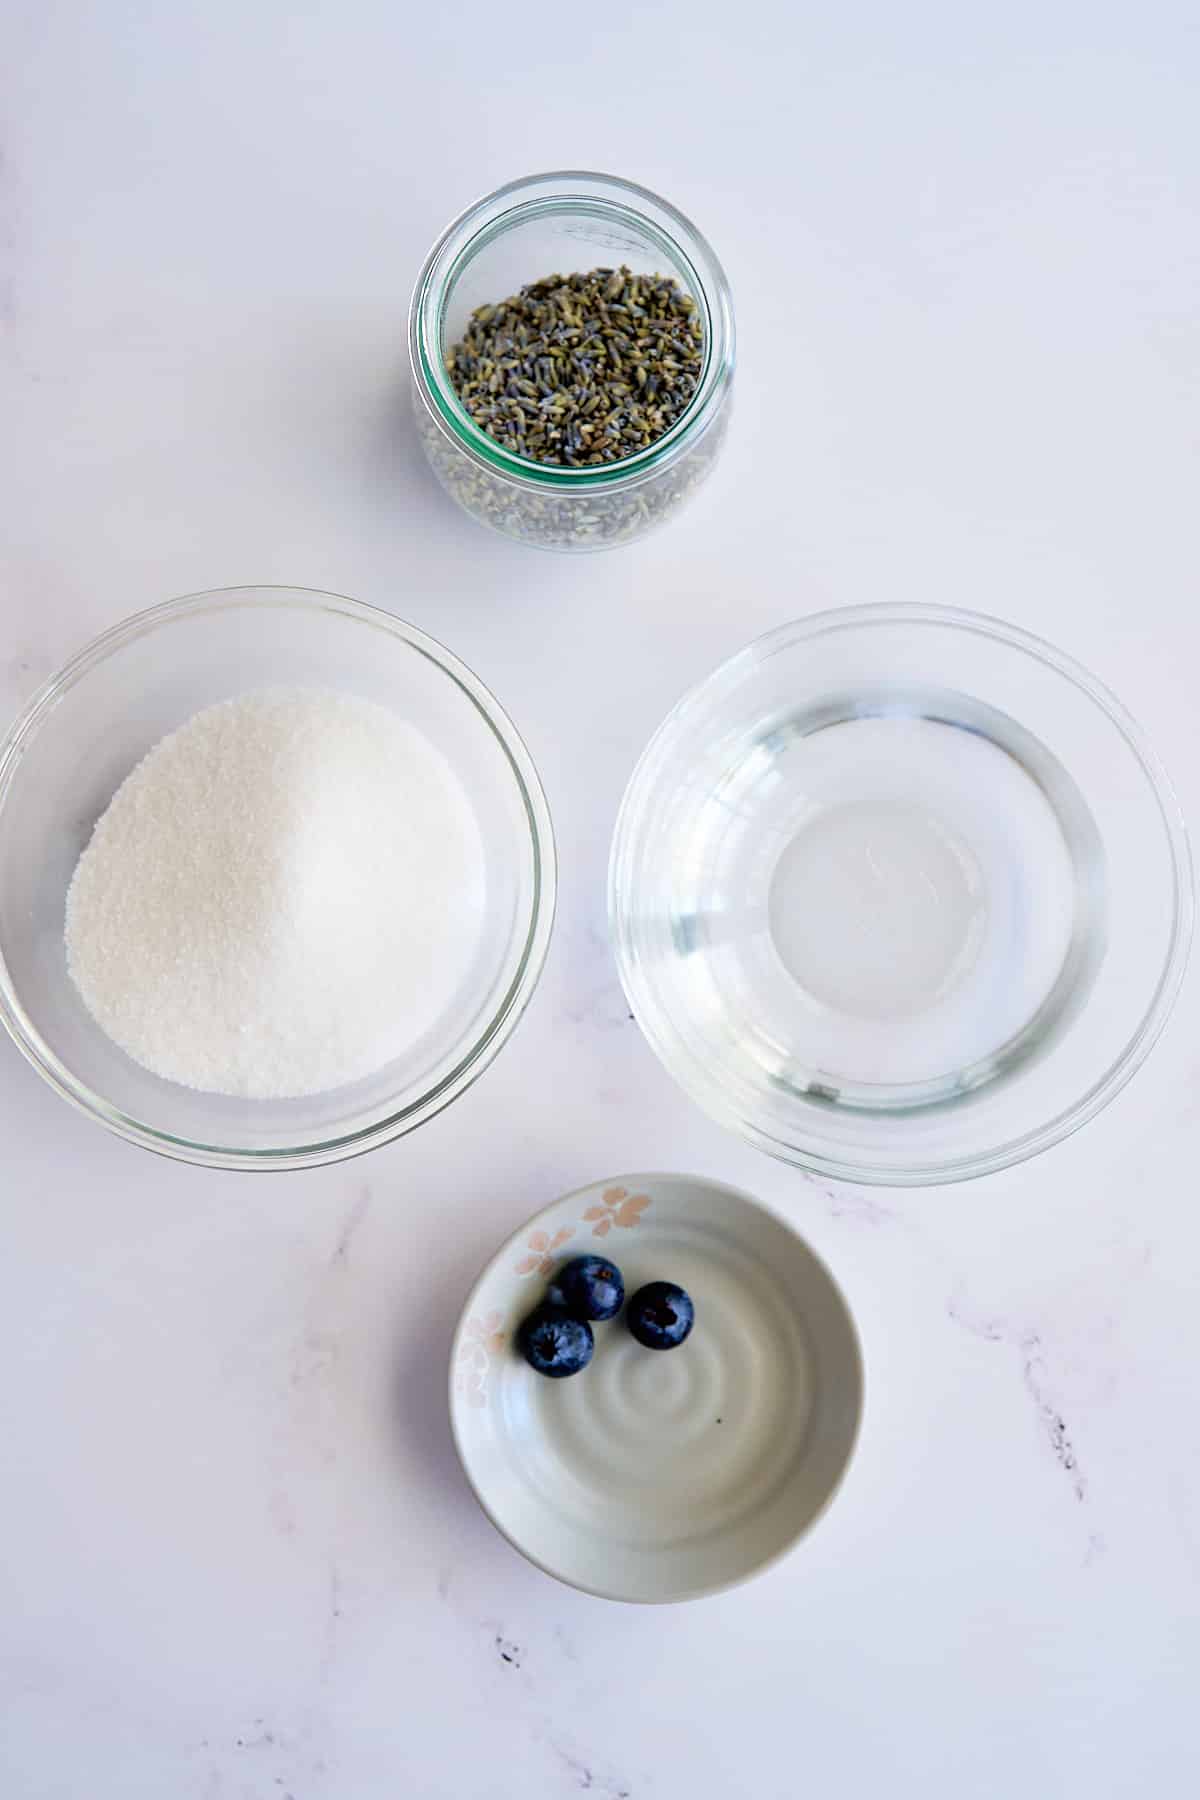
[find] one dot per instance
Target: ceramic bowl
(661, 1475)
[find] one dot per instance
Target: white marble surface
(239, 1560)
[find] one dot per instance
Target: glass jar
(528, 229)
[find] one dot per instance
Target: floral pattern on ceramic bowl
(661, 1475)
(616, 1206)
(480, 1341)
(540, 1251)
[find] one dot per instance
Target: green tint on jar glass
(565, 224)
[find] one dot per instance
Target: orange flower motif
(486, 1331)
(542, 1247)
(617, 1207)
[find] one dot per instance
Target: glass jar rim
(530, 197)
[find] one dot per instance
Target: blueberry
(554, 1343)
(591, 1288)
(660, 1315)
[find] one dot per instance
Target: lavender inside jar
(570, 225)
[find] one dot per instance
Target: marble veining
(239, 1558)
(1032, 1360)
(587, 1776)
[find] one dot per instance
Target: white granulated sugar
(283, 896)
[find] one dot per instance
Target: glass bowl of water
(901, 894)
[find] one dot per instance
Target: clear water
(889, 905)
(877, 909)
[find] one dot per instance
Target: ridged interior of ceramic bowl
(661, 1475)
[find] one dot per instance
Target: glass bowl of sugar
(277, 878)
(901, 893)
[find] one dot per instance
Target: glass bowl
(901, 893)
(92, 722)
(560, 223)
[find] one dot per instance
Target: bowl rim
(959, 1167)
(516, 1241)
(482, 1049)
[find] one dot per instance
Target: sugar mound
(283, 895)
